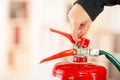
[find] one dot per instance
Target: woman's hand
(80, 21)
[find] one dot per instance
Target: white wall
(3, 15)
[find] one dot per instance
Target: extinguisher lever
(83, 42)
(67, 35)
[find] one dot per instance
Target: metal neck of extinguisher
(81, 54)
(82, 50)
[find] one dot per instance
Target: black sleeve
(95, 7)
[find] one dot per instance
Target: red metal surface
(76, 59)
(83, 42)
(79, 71)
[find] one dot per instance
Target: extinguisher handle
(67, 35)
(83, 42)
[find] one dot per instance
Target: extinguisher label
(55, 78)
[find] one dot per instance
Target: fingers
(76, 31)
(80, 30)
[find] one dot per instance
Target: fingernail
(79, 35)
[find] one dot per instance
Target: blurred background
(25, 38)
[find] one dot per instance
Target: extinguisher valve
(82, 52)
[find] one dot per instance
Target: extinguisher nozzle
(44, 60)
(65, 53)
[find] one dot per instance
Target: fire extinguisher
(79, 68)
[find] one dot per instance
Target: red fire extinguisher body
(79, 71)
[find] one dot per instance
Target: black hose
(110, 58)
